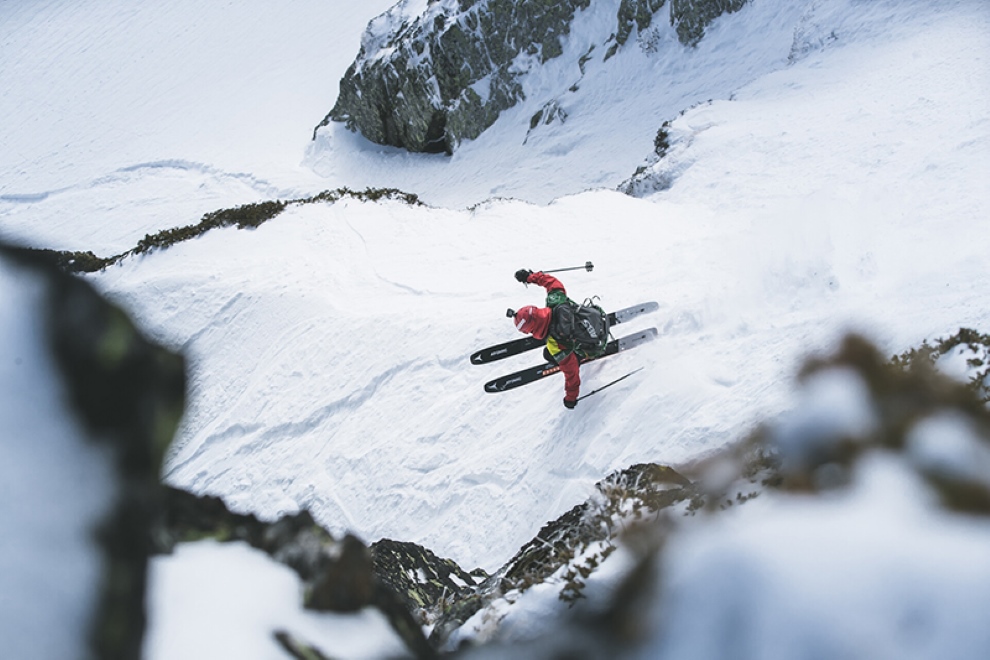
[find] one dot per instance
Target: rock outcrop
(691, 17)
(427, 82)
(426, 582)
(576, 543)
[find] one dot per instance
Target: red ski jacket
(570, 364)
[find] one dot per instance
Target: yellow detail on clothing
(553, 346)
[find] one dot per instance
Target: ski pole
(585, 396)
(588, 266)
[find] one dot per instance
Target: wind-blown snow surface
(328, 348)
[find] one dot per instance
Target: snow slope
(830, 194)
(842, 186)
(357, 401)
(124, 118)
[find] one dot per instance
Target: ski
(517, 346)
(526, 376)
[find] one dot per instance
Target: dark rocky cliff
(425, 83)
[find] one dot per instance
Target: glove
(523, 275)
(570, 404)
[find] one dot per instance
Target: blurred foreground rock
(88, 407)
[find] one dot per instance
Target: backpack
(582, 329)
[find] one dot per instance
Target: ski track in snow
(258, 437)
(259, 186)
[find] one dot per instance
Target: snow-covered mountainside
(802, 170)
(607, 69)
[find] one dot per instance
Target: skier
(535, 321)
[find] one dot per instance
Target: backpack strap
(561, 348)
(556, 297)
